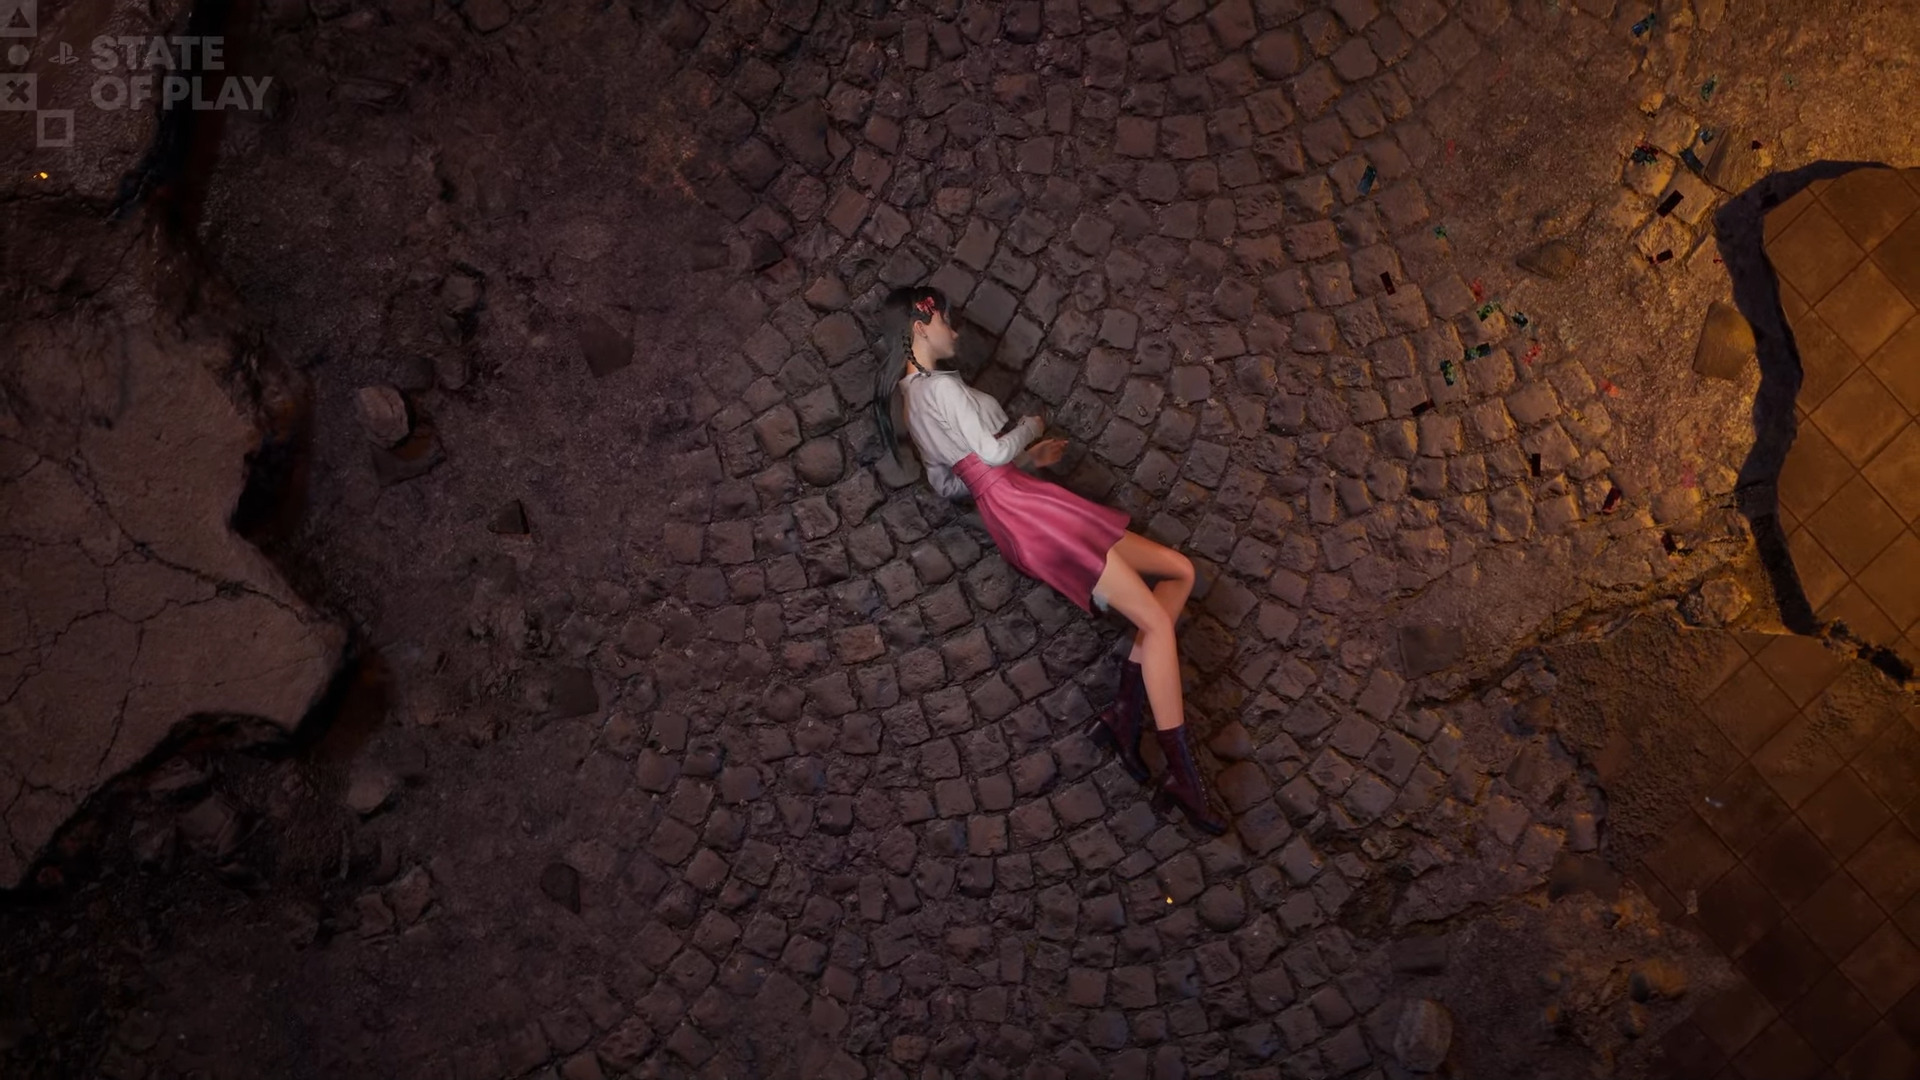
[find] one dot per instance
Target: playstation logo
(64, 55)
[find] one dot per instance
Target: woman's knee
(1154, 621)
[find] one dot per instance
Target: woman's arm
(963, 415)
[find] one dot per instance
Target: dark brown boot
(1183, 785)
(1119, 725)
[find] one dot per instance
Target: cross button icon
(16, 91)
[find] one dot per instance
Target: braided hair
(898, 313)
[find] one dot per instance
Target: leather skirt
(1042, 529)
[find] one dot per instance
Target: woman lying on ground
(1079, 547)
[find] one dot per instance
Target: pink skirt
(1042, 529)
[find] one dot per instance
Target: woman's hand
(1046, 452)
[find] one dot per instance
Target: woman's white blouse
(949, 420)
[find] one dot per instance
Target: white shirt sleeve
(945, 484)
(963, 414)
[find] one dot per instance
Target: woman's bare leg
(1151, 559)
(1159, 660)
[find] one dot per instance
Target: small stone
(1695, 198)
(1726, 343)
(452, 369)
(1673, 131)
(416, 455)
(410, 896)
(212, 827)
(1554, 259)
(1715, 603)
(486, 16)
(460, 293)
(382, 413)
(1425, 1032)
(369, 789)
(606, 349)
(1658, 977)
(298, 922)
(509, 520)
(1733, 163)
(375, 917)
(561, 883)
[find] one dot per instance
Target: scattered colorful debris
(1479, 291)
(1607, 388)
(1692, 160)
(1440, 231)
(1487, 309)
(1533, 351)
(1645, 154)
(1366, 180)
(1707, 88)
(1520, 319)
(1446, 371)
(1643, 25)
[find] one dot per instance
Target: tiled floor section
(1847, 253)
(1803, 866)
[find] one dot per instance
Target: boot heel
(1161, 803)
(1098, 731)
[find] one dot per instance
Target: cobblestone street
(1563, 733)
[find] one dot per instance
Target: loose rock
(1554, 259)
(1425, 1032)
(383, 414)
(561, 883)
(1726, 343)
(369, 789)
(511, 520)
(212, 827)
(1715, 603)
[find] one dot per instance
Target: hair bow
(925, 305)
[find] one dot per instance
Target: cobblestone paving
(825, 808)
(1198, 234)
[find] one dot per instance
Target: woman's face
(942, 338)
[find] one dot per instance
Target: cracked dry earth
(683, 736)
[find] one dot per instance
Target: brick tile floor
(1847, 252)
(1802, 866)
